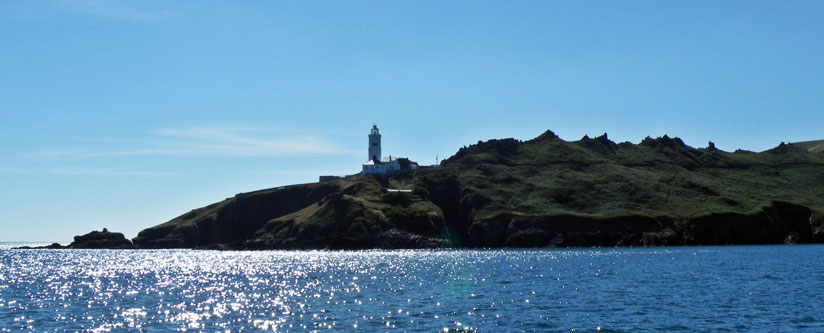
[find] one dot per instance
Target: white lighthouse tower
(374, 144)
(384, 166)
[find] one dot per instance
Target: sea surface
(729, 288)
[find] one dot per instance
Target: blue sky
(125, 114)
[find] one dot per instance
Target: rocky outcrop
(233, 220)
(568, 230)
(101, 240)
(342, 221)
(93, 240)
(50, 246)
(777, 223)
(817, 226)
(340, 214)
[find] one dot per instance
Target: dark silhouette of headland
(544, 192)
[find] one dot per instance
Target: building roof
(384, 160)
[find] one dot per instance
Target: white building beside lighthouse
(384, 166)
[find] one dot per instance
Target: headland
(544, 192)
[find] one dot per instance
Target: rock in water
(101, 240)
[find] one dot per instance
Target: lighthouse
(374, 144)
(384, 166)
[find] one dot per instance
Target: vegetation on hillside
(596, 176)
(541, 192)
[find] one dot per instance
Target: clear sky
(126, 114)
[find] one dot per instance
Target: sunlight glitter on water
(623, 289)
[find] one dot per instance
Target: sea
(724, 288)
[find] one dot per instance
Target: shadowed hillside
(541, 192)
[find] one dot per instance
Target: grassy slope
(812, 146)
(353, 218)
(597, 177)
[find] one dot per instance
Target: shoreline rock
(101, 240)
(92, 240)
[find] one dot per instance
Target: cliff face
(541, 192)
(342, 214)
(232, 220)
(777, 223)
(343, 221)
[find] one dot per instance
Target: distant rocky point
(93, 240)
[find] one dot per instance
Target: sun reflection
(82, 290)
